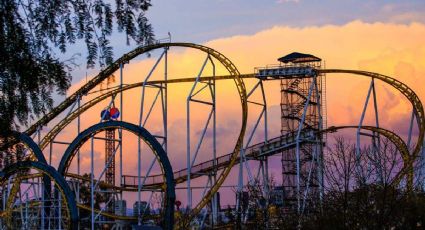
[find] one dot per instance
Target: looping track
(231, 68)
(402, 88)
(167, 171)
(39, 157)
(234, 74)
(392, 137)
(50, 172)
(417, 108)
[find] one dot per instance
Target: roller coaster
(69, 185)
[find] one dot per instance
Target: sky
(379, 36)
(200, 21)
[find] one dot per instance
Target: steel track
(408, 158)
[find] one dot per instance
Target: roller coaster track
(85, 89)
(404, 89)
(237, 77)
(267, 148)
(160, 155)
(391, 136)
(39, 157)
(107, 214)
(231, 68)
(4, 214)
(271, 147)
(416, 104)
(49, 171)
(74, 114)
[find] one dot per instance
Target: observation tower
(303, 109)
(66, 195)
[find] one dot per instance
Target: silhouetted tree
(85, 199)
(31, 31)
(359, 194)
(366, 199)
(12, 155)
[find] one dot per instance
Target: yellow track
(403, 88)
(74, 114)
(16, 187)
(391, 136)
(7, 213)
(417, 107)
(235, 75)
(107, 214)
(231, 68)
(256, 150)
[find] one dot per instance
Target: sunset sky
(200, 21)
(379, 36)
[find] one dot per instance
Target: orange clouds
(391, 49)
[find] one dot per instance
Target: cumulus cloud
(392, 49)
(286, 1)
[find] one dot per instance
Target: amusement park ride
(64, 185)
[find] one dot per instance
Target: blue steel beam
(71, 151)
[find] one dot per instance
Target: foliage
(370, 207)
(12, 155)
(85, 199)
(365, 199)
(32, 31)
(352, 199)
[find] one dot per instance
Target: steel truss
(300, 143)
(301, 108)
(160, 155)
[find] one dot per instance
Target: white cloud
(286, 1)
